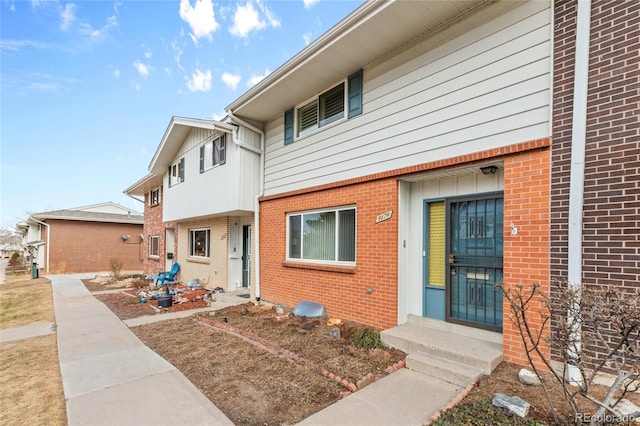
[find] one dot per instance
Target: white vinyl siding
(481, 84)
(231, 188)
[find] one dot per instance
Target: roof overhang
(144, 185)
(372, 31)
(174, 137)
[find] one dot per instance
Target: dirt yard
(263, 368)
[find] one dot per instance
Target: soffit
(374, 30)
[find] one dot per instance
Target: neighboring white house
(210, 179)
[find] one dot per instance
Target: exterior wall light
(124, 237)
(489, 170)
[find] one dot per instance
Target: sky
(88, 88)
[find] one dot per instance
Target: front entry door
(246, 255)
(474, 261)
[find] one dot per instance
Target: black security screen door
(474, 257)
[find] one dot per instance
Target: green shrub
(367, 338)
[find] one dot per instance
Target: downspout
(576, 179)
(48, 241)
(256, 205)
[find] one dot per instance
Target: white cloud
(308, 4)
(16, 45)
(137, 86)
(247, 19)
(255, 79)
(67, 16)
(88, 30)
(231, 80)
(200, 17)
(116, 73)
(142, 69)
(177, 53)
(199, 81)
(307, 38)
(148, 54)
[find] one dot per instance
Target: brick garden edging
(274, 348)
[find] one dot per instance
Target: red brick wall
(526, 254)
(78, 246)
(342, 292)
(153, 225)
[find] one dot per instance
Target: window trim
(293, 260)
(217, 144)
(176, 167)
(207, 249)
(157, 245)
(316, 100)
(157, 201)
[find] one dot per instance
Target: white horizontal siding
(484, 88)
(230, 187)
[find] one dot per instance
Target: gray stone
(528, 378)
(279, 311)
(515, 404)
(334, 333)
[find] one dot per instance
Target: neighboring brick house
(407, 166)
(606, 142)
(85, 239)
(159, 248)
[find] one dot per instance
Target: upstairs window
(325, 109)
(176, 172)
(213, 153)
(154, 197)
(342, 100)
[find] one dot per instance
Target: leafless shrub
(596, 329)
(115, 265)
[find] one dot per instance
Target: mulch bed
(126, 304)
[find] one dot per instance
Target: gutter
(256, 205)
(576, 178)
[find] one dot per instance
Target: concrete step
(443, 369)
(479, 353)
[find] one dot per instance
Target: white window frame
(157, 245)
(192, 242)
(316, 100)
(154, 200)
(335, 261)
(174, 174)
(219, 144)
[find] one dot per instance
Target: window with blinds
(327, 108)
(323, 236)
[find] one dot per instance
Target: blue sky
(89, 87)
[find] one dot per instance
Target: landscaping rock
(515, 404)
(528, 378)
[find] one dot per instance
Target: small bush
(15, 259)
(367, 338)
(115, 265)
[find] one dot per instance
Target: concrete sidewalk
(28, 331)
(110, 377)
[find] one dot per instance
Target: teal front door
(474, 250)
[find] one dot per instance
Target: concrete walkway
(110, 377)
(28, 331)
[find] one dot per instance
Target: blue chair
(167, 277)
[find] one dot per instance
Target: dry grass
(31, 390)
(25, 302)
(30, 383)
